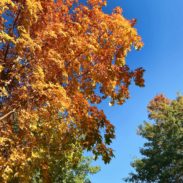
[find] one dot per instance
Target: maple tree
(63, 169)
(162, 159)
(57, 59)
(79, 173)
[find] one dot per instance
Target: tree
(162, 159)
(65, 171)
(58, 58)
(77, 174)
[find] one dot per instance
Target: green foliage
(162, 159)
(64, 171)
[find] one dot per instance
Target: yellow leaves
(7, 172)
(52, 34)
(104, 25)
(55, 57)
(34, 7)
(22, 29)
(55, 31)
(120, 61)
(39, 73)
(78, 26)
(15, 159)
(35, 154)
(4, 5)
(3, 92)
(63, 33)
(34, 121)
(17, 155)
(25, 41)
(60, 95)
(55, 93)
(15, 166)
(92, 47)
(6, 2)
(3, 140)
(57, 62)
(4, 37)
(88, 58)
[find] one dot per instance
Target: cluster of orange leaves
(57, 59)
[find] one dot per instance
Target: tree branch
(14, 24)
(6, 115)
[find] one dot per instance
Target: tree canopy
(58, 59)
(63, 170)
(162, 154)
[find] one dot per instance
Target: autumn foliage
(57, 59)
(162, 157)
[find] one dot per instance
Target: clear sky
(160, 23)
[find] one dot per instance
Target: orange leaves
(98, 3)
(118, 10)
(158, 106)
(138, 75)
(57, 59)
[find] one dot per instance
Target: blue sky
(160, 23)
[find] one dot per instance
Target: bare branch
(6, 115)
